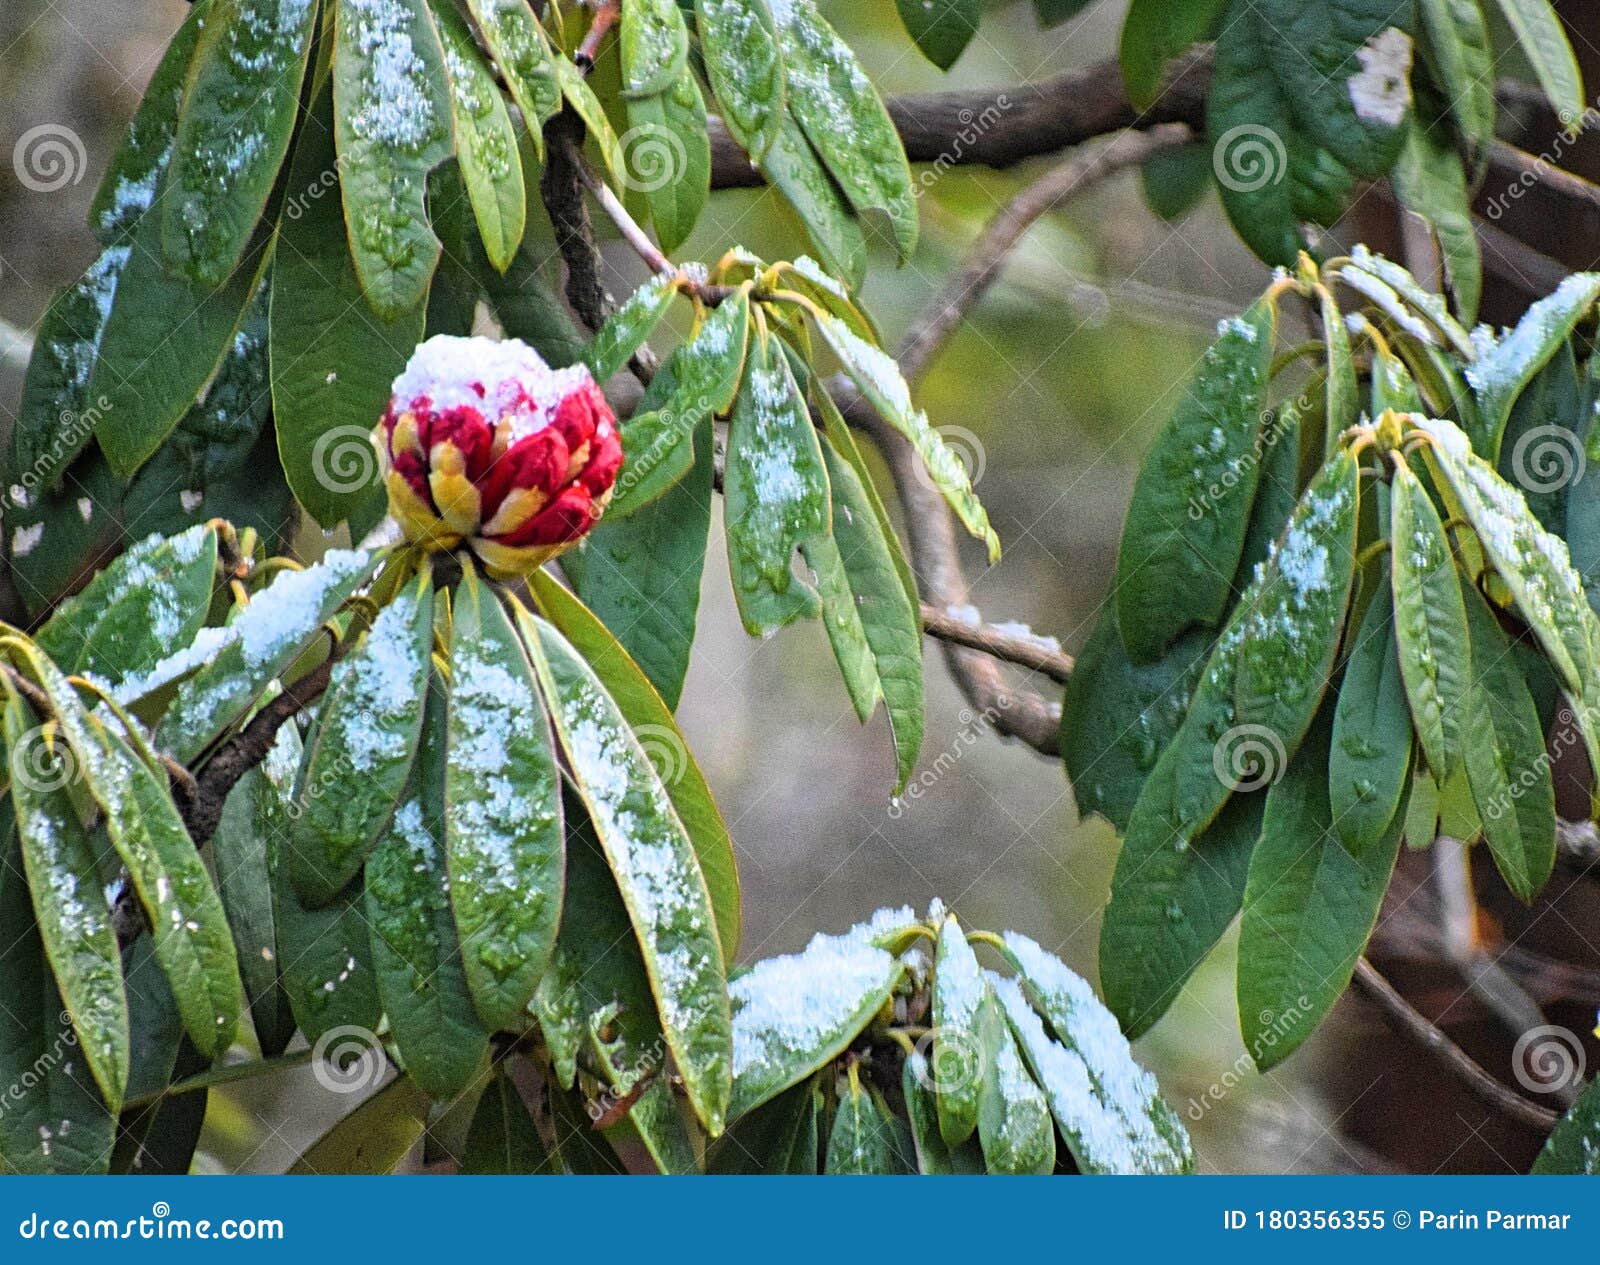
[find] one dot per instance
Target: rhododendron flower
(485, 445)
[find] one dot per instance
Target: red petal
(565, 519)
(538, 461)
(605, 459)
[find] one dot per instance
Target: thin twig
(1022, 651)
(1411, 1023)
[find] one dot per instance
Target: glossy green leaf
(745, 67)
(372, 1139)
(777, 1138)
(666, 153)
(1014, 1123)
(1310, 904)
(1541, 452)
(933, 1155)
(1187, 521)
(60, 1124)
(1109, 1108)
(149, 599)
(241, 659)
(795, 1013)
(1156, 31)
(577, 93)
(775, 493)
(503, 824)
(651, 720)
(1453, 41)
(710, 366)
(1290, 634)
(1370, 753)
(360, 759)
(1174, 180)
(1118, 716)
(654, 1116)
(794, 169)
(1544, 42)
(1506, 764)
(1278, 488)
(486, 142)
(519, 49)
(961, 1046)
(1173, 894)
(1430, 624)
(392, 125)
(414, 950)
(1430, 181)
(580, 1147)
(1418, 311)
(238, 112)
(324, 955)
(844, 119)
(874, 371)
(240, 855)
(653, 858)
(1422, 809)
(626, 329)
(503, 1139)
(1573, 1147)
(941, 28)
(864, 1140)
(74, 922)
(655, 46)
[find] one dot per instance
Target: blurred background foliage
(1061, 376)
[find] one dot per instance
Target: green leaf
(1013, 1113)
(243, 658)
(1174, 180)
(503, 1139)
(934, 1157)
(1506, 764)
(239, 105)
(650, 718)
(1278, 488)
(1110, 1109)
(1430, 181)
(653, 858)
(1118, 716)
(239, 853)
(503, 825)
(962, 1049)
(654, 1117)
(486, 142)
(1538, 30)
(1290, 633)
(709, 367)
(626, 329)
(1054, 12)
(833, 100)
(1422, 810)
(1418, 311)
(1455, 45)
(415, 954)
(745, 67)
(392, 125)
(1541, 450)
(324, 955)
(655, 46)
(1172, 896)
(517, 44)
(666, 153)
(779, 1138)
(874, 371)
(775, 493)
(1430, 624)
(1370, 753)
(332, 360)
(870, 614)
(581, 97)
(373, 1138)
(1506, 366)
(640, 574)
(1573, 1148)
(657, 451)
(1156, 31)
(1186, 524)
(1310, 904)
(864, 1140)
(60, 1124)
(941, 28)
(795, 1013)
(59, 860)
(149, 599)
(1344, 67)
(360, 759)
(148, 378)
(792, 166)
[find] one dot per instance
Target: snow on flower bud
(485, 445)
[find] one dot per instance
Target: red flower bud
(484, 444)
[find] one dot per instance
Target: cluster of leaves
(1339, 622)
(1311, 101)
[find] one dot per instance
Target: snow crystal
(26, 539)
(1381, 90)
(291, 608)
(393, 109)
(502, 378)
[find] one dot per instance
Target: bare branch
(1022, 651)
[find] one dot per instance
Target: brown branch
(1022, 651)
(561, 190)
(1411, 1023)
